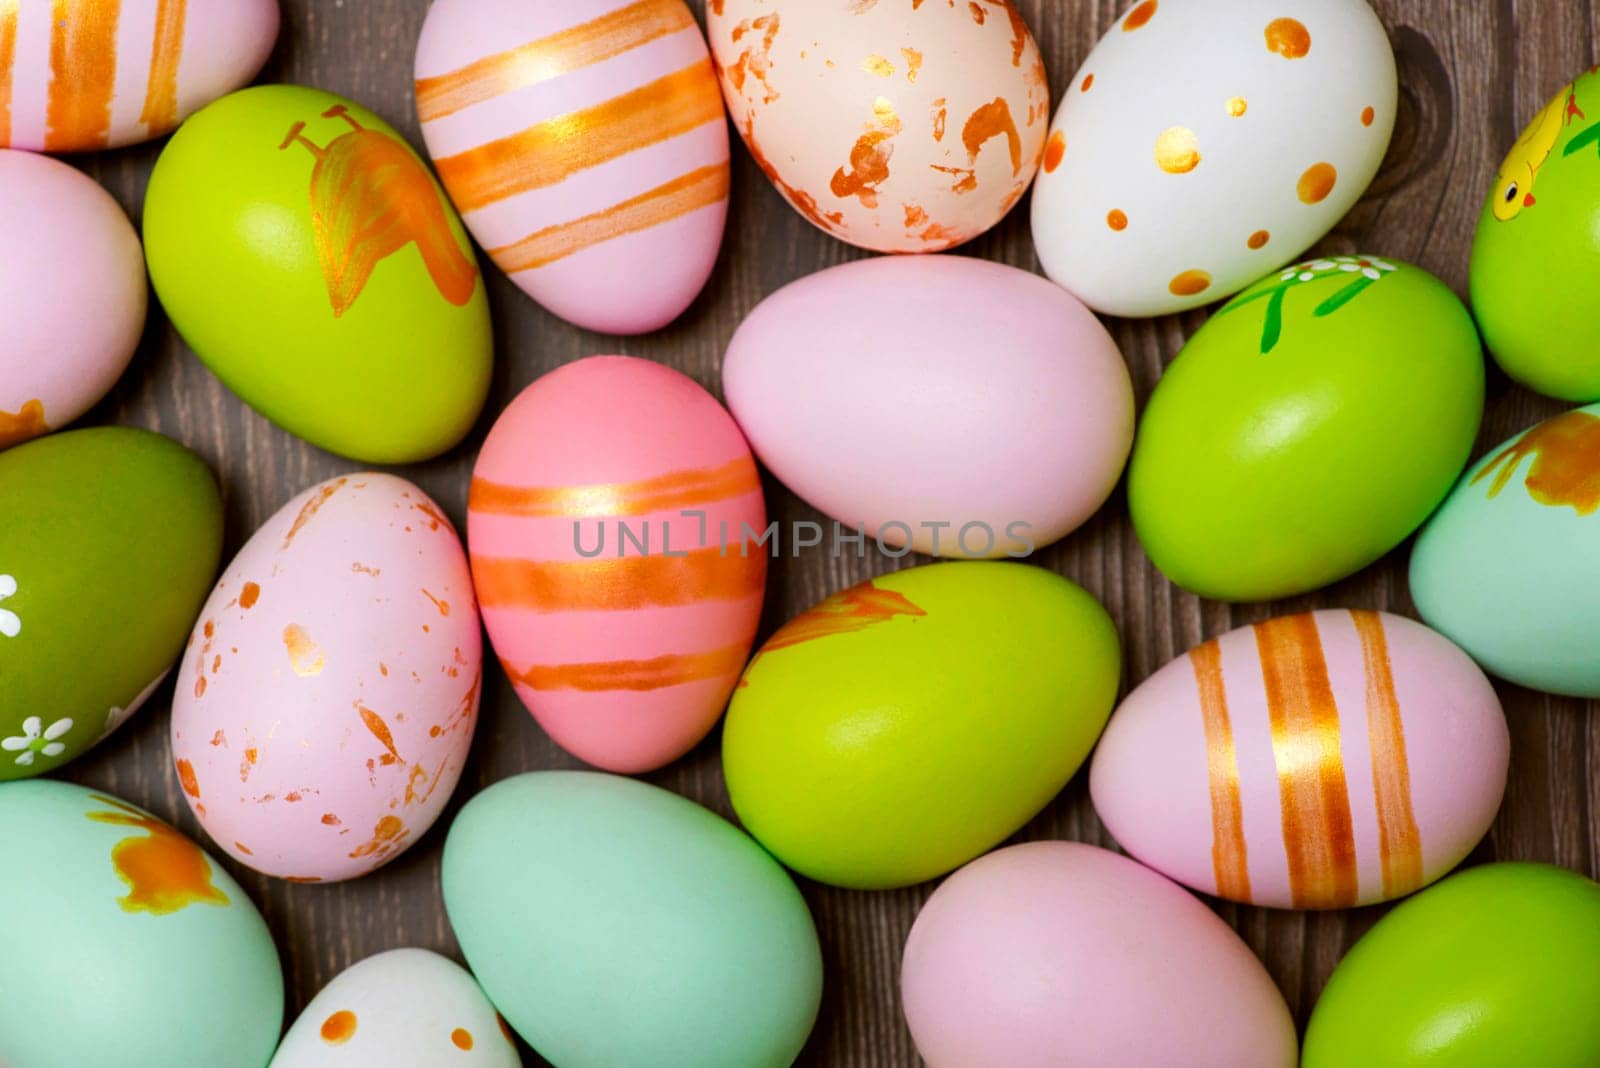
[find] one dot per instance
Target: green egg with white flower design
(109, 540)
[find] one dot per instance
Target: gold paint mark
(1177, 150)
(313, 504)
(1237, 106)
(380, 730)
(199, 686)
(1229, 855)
(1055, 151)
(461, 1038)
(756, 60)
(680, 489)
(1139, 16)
(362, 569)
(442, 606)
(1189, 283)
(869, 158)
(1316, 183)
(1399, 840)
(913, 60)
(851, 610)
(990, 121)
(878, 65)
(249, 595)
(1258, 239)
(1566, 463)
(219, 739)
(247, 763)
(657, 673)
(626, 582)
(164, 871)
(339, 1028)
(186, 778)
(160, 112)
(1117, 219)
(387, 834)
(20, 426)
(1288, 37)
(941, 114)
(83, 73)
(305, 657)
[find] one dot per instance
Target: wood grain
(1471, 73)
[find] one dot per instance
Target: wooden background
(1471, 73)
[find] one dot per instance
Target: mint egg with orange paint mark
(306, 254)
(905, 725)
(327, 699)
(1307, 429)
(124, 941)
(109, 538)
(1314, 761)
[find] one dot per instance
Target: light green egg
(124, 945)
(904, 726)
(615, 924)
(1509, 567)
(308, 256)
(109, 540)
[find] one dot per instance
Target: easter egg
(608, 524)
(1506, 567)
(328, 696)
(585, 145)
(65, 249)
(1307, 429)
(403, 1007)
(77, 75)
(1493, 966)
(1537, 248)
(310, 260)
(1203, 144)
(896, 127)
(1023, 379)
(1054, 953)
(901, 727)
(612, 922)
(109, 538)
(125, 944)
(1320, 760)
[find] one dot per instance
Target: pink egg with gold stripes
(612, 525)
(77, 75)
(1313, 761)
(584, 143)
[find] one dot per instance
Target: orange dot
(339, 1028)
(1367, 115)
(1237, 106)
(249, 595)
(1055, 151)
(1117, 219)
(1177, 150)
(1189, 283)
(1139, 16)
(1259, 239)
(1088, 80)
(1288, 37)
(1318, 181)
(462, 1038)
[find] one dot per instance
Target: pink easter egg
(605, 525)
(585, 145)
(73, 272)
(328, 696)
(1057, 953)
(1321, 760)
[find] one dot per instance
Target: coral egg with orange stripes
(614, 525)
(585, 145)
(1313, 761)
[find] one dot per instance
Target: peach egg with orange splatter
(124, 941)
(78, 75)
(1208, 143)
(586, 146)
(895, 125)
(1313, 761)
(614, 524)
(328, 696)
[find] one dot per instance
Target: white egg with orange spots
(895, 125)
(1203, 144)
(327, 699)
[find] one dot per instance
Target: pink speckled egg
(73, 274)
(585, 145)
(85, 74)
(1321, 760)
(606, 526)
(327, 699)
(890, 392)
(1057, 953)
(894, 125)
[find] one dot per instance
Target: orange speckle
(1189, 284)
(28, 421)
(1086, 84)
(186, 778)
(1259, 239)
(1055, 151)
(434, 731)
(442, 606)
(1318, 181)
(380, 731)
(418, 774)
(1177, 150)
(330, 820)
(216, 663)
(339, 1028)
(199, 686)
(1237, 106)
(248, 595)
(1288, 37)
(1367, 115)
(386, 833)
(293, 795)
(362, 569)
(1140, 15)
(941, 114)
(210, 629)
(251, 755)
(989, 121)
(462, 1038)
(383, 669)
(164, 871)
(436, 518)
(1117, 219)
(302, 878)
(241, 847)
(309, 509)
(219, 739)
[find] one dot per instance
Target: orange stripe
(695, 190)
(1228, 852)
(550, 57)
(160, 112)
(618, 583)
(8, 50)
(1399, 840)
(654, 674)
(83, 73)
(681, 489)
(553, 150)
(1317, 833)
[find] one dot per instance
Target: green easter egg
(1306, 429)
(307, 255)
(109, 540)
(614, 923)
(1536, 256)
(904, 726)
(1507, 568)
(1490, 968)
(125, 944)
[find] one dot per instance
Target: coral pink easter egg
(328, 696)
(601, 504)
(584, 144)
(1321, 760)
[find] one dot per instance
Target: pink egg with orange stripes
(1312, 761)
(584, 143)
(327, 699)
(611, 525)
(77, 75)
